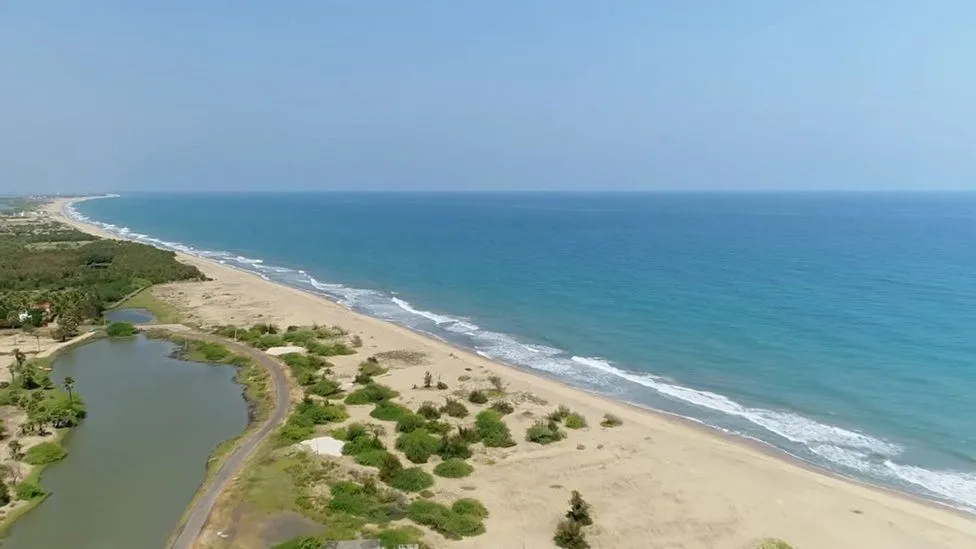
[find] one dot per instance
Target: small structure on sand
(287, 350)
(324, 446)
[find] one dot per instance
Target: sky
(210, 95)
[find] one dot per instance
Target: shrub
(403, 535)
(478, 397)
(454, 446)
(468, 434)
(570, 535)
(45, 452)
(454, 408)
(4, 494)
(360, 440)
(496, 382)
(302, 542)
(329, 349)
(28, 490)
(438, 427)
(372, 458)
(413, 479)
(418, 446)
(444, 520)
(371, 393)
(320, 414)
(410, 422)
(268, 341)
(390, 411)
(121, 329)
(453, 468)
(371, 368)
(297, 428)
(502, 407)
(544, 433)
(774, 544)
(441, 386)
(390, 467)
(579, 510)
(366, 500)
(559, 413)
(429, 410)
(611, 420)
(324, 388)
(575, 421)
(492, 430)
(428, 380)
(470, 506)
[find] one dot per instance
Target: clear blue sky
(208, 95)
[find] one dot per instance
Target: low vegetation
(611, 420)
(44, 453)
(478, 397)
(575, 421)
(451, 522)
(502, 407)
(429, 410)
(492, 430)
(569, 532)
(121, 329)
(544, 432)
(453, 468)
(418, 445)
(412, 479)
(774, 544)
(371, 393)
(454, 408)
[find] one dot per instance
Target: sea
(839, 328)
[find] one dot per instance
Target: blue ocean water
(840, 328)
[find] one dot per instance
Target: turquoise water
(836, 327)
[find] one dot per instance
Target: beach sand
(655, 481)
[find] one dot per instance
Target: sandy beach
(655, 481)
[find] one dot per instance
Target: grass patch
(410, 423)
(453, 468)
(502, 407)
(470, 506)
(121, 329)
(575, 421)
(371, 394)
(324, 388)
(407, 357)
(413, 479)
(359, 439)
(418, 445)
(492, 430)
(610, 420)
(544, 432)
(390, 411)
(44, 453)
(445, 520)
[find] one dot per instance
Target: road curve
(190, 529)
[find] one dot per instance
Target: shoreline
(750, 449)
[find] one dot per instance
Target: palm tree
(69, 384)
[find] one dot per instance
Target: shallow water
(135, 462)
(132, 316)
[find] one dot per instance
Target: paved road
(200, 512)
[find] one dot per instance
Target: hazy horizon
(507, 96)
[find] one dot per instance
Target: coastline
(690, 442)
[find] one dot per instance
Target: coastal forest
(53, 273)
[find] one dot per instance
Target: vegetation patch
(44, 453)
(575, 421)
(324, 388)
(28, 490)
(478, 397)
(407, 357)
(454, 447)
(445, 520)
(502, 407)
(453, 468)
(371, 394)
(418, 445)
(413, 479)
(410, 423)
(429, 410)
(121, 329)
(492, 430)
(559, 413)
(360, 439)
(390, 411)
(454, 408)
(544, 432)
(611, 420)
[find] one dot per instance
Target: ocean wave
(845, 449)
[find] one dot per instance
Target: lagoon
(136, 461)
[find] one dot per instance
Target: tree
(69, 384)
(428, 380)
(570, 535)
(20, 357)
(579, 510)
(16, 450)
(68, 323)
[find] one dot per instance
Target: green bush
(390, 411)
(324, 388)
(575, 421)
(429, 410)
(454, 408)
(478, 397)
(492, 430)
(418, 445)
(611, 420)
(454, 446)
(410, 423)
(502, 407)
(298, 427)
(372, 458)
(329, 349)
(570, 535)
(470, 506)
(320, 414)
(121, 329)
(268, 341)
(444, 520)
(453, 468)
(544, 433)
(413, 479)
(303, 542)
(468, 434)
(774, 544)
(559, 413)
(371, 369)
(28, 490)
(45, 452)
(403, 535)
(370, 394)
(366, 500)
(361, 441)
(390, 467)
